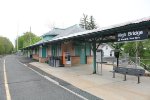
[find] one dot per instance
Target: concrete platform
(103, 86)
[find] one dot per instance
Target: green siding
(88, 49)
(43, 52)
(77, 50)
(80, 50)
(83, 56)
(54, 50)
(36, 50)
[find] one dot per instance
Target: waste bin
(51, 61)
(61, 61)
(50, 58)
(54, 61)
(57, 62)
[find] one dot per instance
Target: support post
(125, 77)
(117, 62)
(113, 74)
(94, 57)
(85, 53)
(138, 79)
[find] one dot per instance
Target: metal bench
(129, 71)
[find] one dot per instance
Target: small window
(110, 54)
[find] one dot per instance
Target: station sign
(132, 36)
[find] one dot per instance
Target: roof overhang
(105, 34)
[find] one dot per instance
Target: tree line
(6, 46)
(27, 39)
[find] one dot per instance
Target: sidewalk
(103, 86)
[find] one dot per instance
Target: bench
(129, 71)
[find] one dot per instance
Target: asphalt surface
(2, 88)
(25, 84)
(63, 83)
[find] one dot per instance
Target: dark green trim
(44, 52)
(88, 49)
(77, 50)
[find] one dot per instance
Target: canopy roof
(104, 34)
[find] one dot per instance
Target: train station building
(75, 45)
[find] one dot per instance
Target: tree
(84, 22)
(92, 24)
(6, 46)
(130, 48)
(140, 48)
(146, 49)
(27, 39)
(88, 23)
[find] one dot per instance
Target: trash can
(54, 61)
(57, 62)
(51, 61)
(61, 61)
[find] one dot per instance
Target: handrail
(144, 65)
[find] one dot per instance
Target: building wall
(79, 52)
(28, 53)
(35, 56)
(40, 51)
(44, 52)
(43, 60)
(68, 47)
(48, 51)
(89, 59)
(75, 60)
(33, 51)
(83, 59)
(107, 50)
(57, 50)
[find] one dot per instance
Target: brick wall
(68, 48)
(89, 59)
(43, 60)
(35, 56)
(75, 60)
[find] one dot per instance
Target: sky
(17, 16)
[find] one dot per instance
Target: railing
(145, 63)
(131, 62)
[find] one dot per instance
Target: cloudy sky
(16, 16)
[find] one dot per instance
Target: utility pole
(17, 35)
